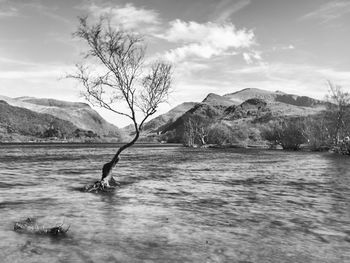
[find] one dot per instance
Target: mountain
(245, 94)
(217, 100)
(249, 108)
(41, 118)
(77, 113)
(279, 103)
(17, 123)
(273, 97)
(161, 122)
(249, 103)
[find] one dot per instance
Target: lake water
(177, 205)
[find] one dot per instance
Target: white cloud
(329, 11)
(129, 16)
(309, 80)
(34, 71)
(205, 40)
(283, 48)
(252, 57)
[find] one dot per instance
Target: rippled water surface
(177, 205)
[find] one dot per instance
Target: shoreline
(152, 145)
(85, 144)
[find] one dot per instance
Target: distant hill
(73, 119)
(80, 114)
(217, 100)
(247, 107)
(270, 97)
(162, 121)
(245, 94)
(204, 110)
(279, 103)
(16, 122)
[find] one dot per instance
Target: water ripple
(177, 205)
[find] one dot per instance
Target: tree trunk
(107, 176)
(107, 180)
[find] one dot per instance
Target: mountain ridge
(78, 113)
(247, 105)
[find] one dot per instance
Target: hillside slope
(16, 122)
(249, 108)
(80, 114)
(162, 121)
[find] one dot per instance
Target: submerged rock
(30, 226)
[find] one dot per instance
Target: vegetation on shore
(329, 130)
(253, 123)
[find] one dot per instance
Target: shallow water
(177, 205)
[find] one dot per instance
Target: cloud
(8, 12)
(17, 8)
(36, 73)
(205, 40)
(252, 57)
(20, 69)
(280, 47)
(6, 62)
(129, 16)
(289, 47)
(45, 10)
(225, 9)
(300, 79)
(329, 11)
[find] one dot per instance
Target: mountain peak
(250, 93)
(215, 99)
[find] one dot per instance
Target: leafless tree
(115, 77)
(340, 104)
(189, 133)
(196, 129)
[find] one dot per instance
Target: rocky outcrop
(251, 108)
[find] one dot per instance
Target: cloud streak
(329, 11)
(8, 12)
(226, 9)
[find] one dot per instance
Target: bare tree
(118, 81)
(340, 104)
(189, 133)
(196, 129)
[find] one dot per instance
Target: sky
(216, 46)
